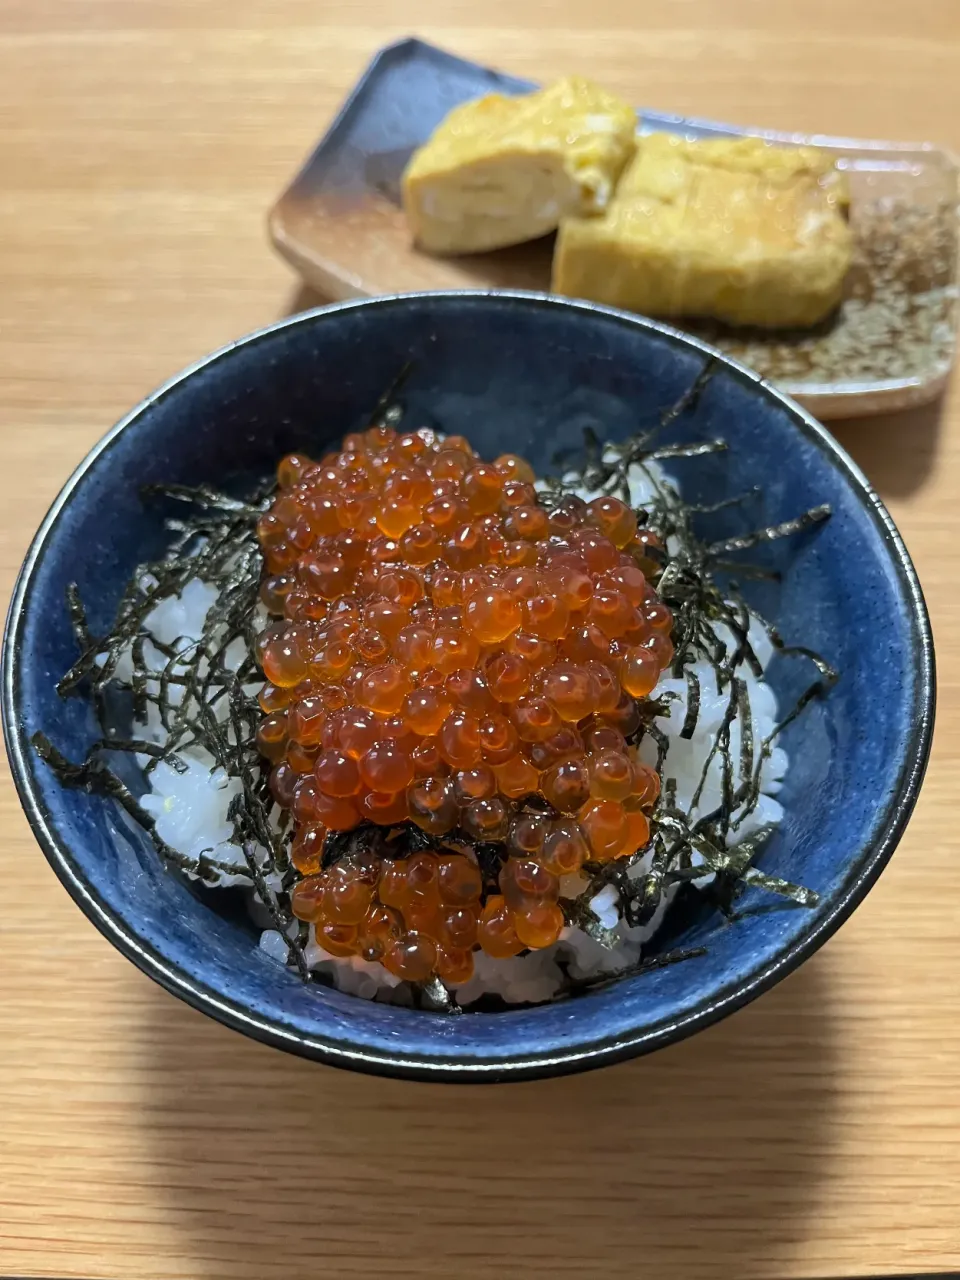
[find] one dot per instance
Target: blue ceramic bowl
(522, 373)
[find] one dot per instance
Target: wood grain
(816, 1133)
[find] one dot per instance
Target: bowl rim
(599, 1051)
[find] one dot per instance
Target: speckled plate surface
(890, 346)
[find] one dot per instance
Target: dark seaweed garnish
(205, 697)
(684, 848)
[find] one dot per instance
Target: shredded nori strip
(388, 407)
(745, 718)
(693, 705)
(806, 521)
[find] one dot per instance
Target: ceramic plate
(890, 346)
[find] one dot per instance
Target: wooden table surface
(816, 1133)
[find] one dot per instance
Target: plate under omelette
(890, 346)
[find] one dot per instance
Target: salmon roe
(443, 649)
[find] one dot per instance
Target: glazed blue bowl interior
(524, 374)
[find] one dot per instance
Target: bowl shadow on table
(896, 451)
(708, 1158)
(303, 297)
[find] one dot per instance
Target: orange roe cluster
(447, 647)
